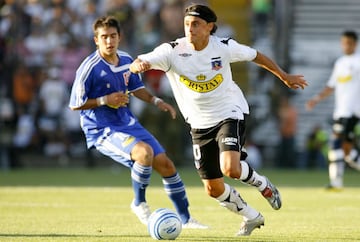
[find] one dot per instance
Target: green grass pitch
(93, 205)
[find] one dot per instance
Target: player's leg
(231, 154)
(142, 155)
(336, 156)
(229, 198)
(175, 189)
(352, 156)
(207, 163)
(173, 185)
(137, 155)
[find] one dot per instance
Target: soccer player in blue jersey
(101, 91)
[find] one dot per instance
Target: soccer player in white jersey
(100, 91)
(198, 68)
(345, 82)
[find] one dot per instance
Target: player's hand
(117, 100)
(163, 106)
(139, 66)
(311, 104)
(295, 81)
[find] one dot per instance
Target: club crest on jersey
(126, 76)
(216, 65)
(202, 87)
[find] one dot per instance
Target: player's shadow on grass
(71, 235)
(130, 237)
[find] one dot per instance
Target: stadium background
(42, 43)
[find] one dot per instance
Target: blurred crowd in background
(42, 42)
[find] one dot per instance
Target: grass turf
(93, 205)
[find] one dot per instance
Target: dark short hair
(350, 34)
(106, 22)
(203, 12)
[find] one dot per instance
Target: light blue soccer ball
(164, 224)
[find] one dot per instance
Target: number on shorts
(197, 152)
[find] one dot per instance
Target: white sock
(232, 200)
(353, 159)
(251, 177)
(336, 174)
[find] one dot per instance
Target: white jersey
(202, 81)
(345, 79)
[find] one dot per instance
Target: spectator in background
(123, 11)
(15, 22)
(88, 17)
(53, 96)
(57, 36)
(254, 158)
(261, 12)
(35, 49)
(287, 113)
(34, 8)
(146, 29)
(57, 11)
(24, 86)
(68, 58)
(317, 148)
(24, 89)
(171, 19)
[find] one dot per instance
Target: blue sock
(175, 189)
(140, 178)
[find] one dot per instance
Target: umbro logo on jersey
(185, 54)
(103, 73)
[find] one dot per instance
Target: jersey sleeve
(159, 58)
(332, 80)
(240, 52)
(78, 96)
(135, 82)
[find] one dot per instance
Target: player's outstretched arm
(292, 81)
(318, 98)
(139, 66)
(144, 95)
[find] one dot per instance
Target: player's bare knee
(143, 154)
(231, 172)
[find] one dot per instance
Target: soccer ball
(164, 224)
